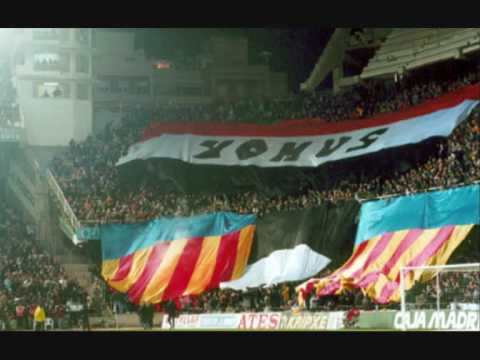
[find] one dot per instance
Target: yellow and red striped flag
(168, 258)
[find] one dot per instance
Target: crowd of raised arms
(90, 180)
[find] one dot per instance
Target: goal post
(440, 297)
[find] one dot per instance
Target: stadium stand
(406, 49)
(30, 276)
(91, 182)
(92, 190)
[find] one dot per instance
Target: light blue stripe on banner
(123, 239)
(459, 206)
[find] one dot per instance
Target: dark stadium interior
(49, 190)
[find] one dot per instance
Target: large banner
(295, 245)
(303, 143)
(288, 245)
(409, 231)
(167, 258)
(459, 206)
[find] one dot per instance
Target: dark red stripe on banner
(358, 251)
(308, 127)
(335, 281)
(432, 247)
(226, 257)
(405, 244)
(184, 269)
(153, 262)
(442, 236)
(374, 254)
(123, 268)
(330, 288)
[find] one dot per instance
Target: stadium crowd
(456, 286)
(87, 174)
(367, 99)
(30, 277)
(279, 297)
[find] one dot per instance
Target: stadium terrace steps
(80, 273)
(411, 48)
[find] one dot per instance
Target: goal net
(445, 297)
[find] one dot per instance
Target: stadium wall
(54, 121)
(320, 321)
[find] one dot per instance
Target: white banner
(184, 321)
(438, 320)
(295, 264)
(313, 321)
(260, 321)
(204, 321)
(304, 151)
(465, 306)
(219, 321)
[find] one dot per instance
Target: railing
(62, 201)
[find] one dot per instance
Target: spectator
(21, 315)
(85, 314)
(28, 273)
(39, 318)
(171, 310)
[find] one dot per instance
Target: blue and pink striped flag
(419, 230)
